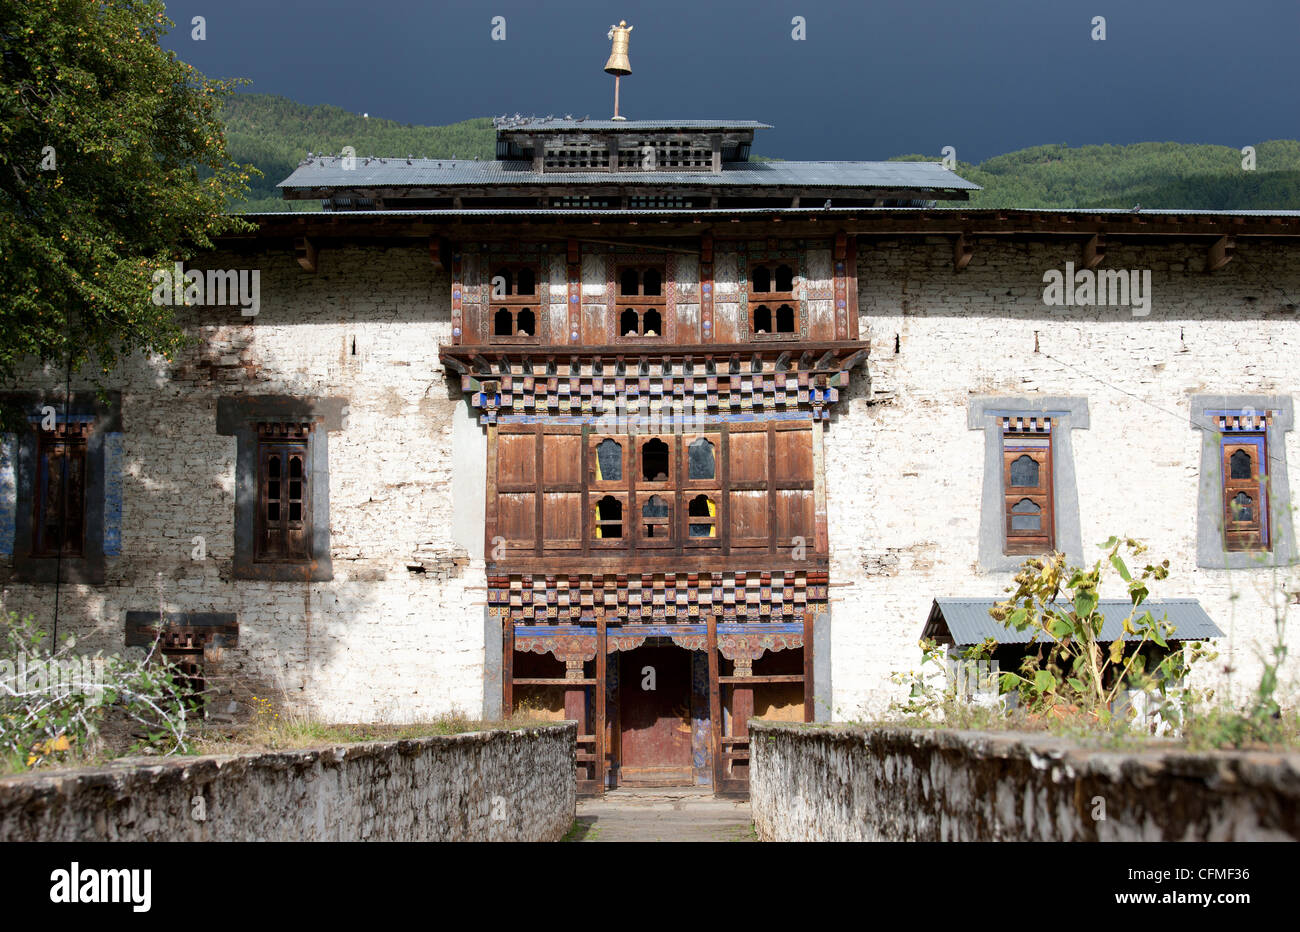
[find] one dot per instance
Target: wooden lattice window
(59, 521)
(515, 303)
(642, 302)
(1245, 491)
(1027, 491)
(283, 494)
(655, 527)
(773, 308)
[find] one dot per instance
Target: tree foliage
(113, 164)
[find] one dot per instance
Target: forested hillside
(275, 133)
(1169, 175)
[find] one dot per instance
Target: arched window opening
(1024, 472)
(652, 324)
(1241, 465)
(502, 283)
(701, 460)
(654, 518)
(654, 461)
(629, 323)
(609, 461)
(526, 322)
(702, 507)
(1026, 516)
(503, 322)
(527, 284)
(761, 279)
(784, 278)
(609, 518)
(762, 319)
(1243, 507)
(629, 282)
(653, 283)
(785, 319)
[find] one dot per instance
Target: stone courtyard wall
(839, 783)
(507, 785)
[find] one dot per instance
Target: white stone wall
(904, 473)
(379, 642)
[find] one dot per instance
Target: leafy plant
(1074, 667)
(54, 702)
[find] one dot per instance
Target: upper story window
(642, 302)
(59, 519)
(283, 496)
(1243, 450)
(1027, 487)
(559, 489)
(513, 295)
(773, 308)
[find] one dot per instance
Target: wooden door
(655, 722)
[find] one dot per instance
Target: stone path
(662, 814)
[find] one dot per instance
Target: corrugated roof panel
(330, 172)
(729, 211)
(969, 622)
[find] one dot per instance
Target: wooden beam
(1220, 253)
(715, 700)
(809, 669)
(507, 666)
(962, 249)
(602, 666)
(1094, 251)
(304, 251)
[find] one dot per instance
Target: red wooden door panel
(656, 727)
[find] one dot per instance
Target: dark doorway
(655, 723)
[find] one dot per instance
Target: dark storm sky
(874, 78)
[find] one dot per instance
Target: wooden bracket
(1094, 251)
(962, 250)
(1220, 253)
(304, 251)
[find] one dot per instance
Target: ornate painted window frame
(1210, 550)
(985, 412)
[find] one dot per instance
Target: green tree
(113, 164)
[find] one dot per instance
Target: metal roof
(969, 621)
(539, 125)
(329, 172)
(731, 211)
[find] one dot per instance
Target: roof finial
(618, 64)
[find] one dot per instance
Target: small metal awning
(963, 622)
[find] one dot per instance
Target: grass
(271, 732)
(1218, 727)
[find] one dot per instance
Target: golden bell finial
(618, 63)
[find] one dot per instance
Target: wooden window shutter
(1029, 512)
(1245, 492)
(59, 523)
(283, 493)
